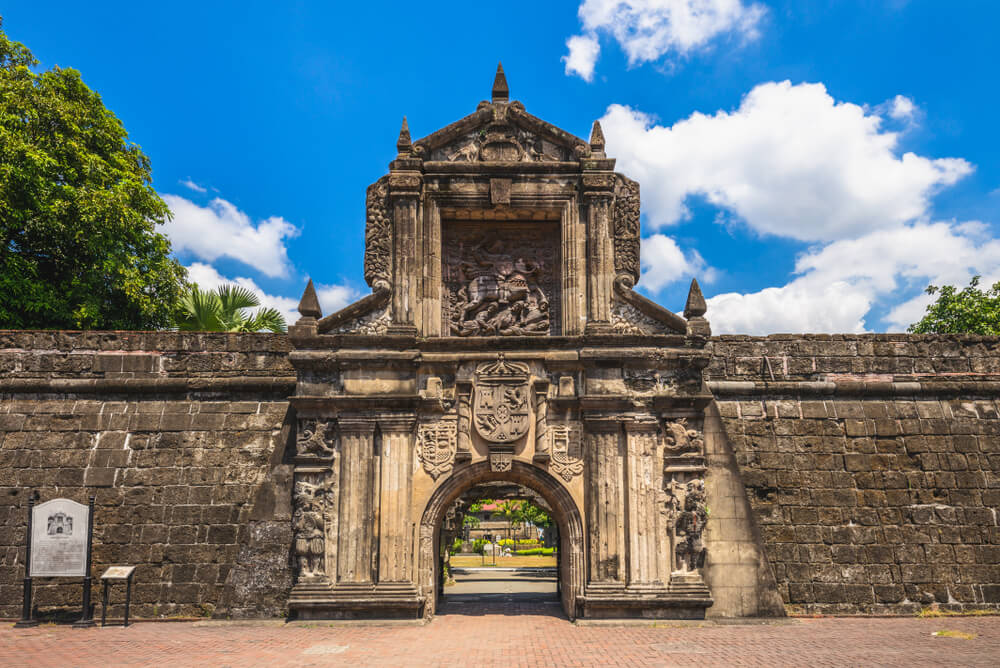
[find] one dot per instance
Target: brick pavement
(511, 634)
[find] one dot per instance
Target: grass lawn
(532, 561)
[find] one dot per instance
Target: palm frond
(199, 311)
(235, 297)
(265, 319)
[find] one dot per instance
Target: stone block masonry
(179, 437)
(872, 465)
(865, 476)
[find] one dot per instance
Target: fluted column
(404, 195)
(645, 542)
(357, 500)
(606, 501)
(395, 544)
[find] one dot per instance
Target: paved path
(511, 634)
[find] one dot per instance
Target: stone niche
(502, 343)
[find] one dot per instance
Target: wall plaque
(59, 539)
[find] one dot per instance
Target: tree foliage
(78, 245)
(225, 309)
(967, 311)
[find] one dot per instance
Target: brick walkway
(511, 635)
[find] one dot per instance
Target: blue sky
(815, 164)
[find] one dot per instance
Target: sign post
(87, 618)
(59, 543)
(26, 621)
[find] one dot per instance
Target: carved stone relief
(501, 282)
(567, 453)
(501, 401)
(501, 143)
(375, 323)
(436, 442)
(682, 440)
(314, 439)
(311, 497)
(627, 228)
(501, 460)
(691, 516)
(378, 233)
(627, 319)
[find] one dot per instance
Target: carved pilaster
(395, 540)
(647, 540)
(541, 425)
(463, 451)
(357, 500)
(606, 500)
(404, 194)
(598, 194)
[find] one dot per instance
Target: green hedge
(544, 551)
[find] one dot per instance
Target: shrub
(456, 546)
(543, 551)
(479, 545)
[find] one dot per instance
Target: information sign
(59, 539)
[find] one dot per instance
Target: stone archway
(564, 509)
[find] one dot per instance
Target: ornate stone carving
(501, 142)
(311, 495)
(691, 519)
(681, 440)
(436, 443)
(567, 453)
(627, 319)
(501, 460)
(378, 234)
(626, 228)
(501, 409)
(500, 295)
(649, 381)
(375, 323)
(314, 439)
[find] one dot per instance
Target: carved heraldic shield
(501, 407)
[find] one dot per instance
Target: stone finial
(309, 304)
(500, 91)
(403, 144)
(597, 138)
(695, 306)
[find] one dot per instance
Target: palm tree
(224, 309)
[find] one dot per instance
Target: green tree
(225, 309)
(78, 246)
(969, 311)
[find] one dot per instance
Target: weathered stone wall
(871, 463)
(871, 466)
(179, 436)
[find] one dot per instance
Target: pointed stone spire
(403, 144)
(597, 137)
(500, 91)
(695, 306)
(309, 304)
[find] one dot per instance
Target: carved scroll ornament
(378, 234)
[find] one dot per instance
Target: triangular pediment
(501, 132)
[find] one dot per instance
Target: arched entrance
(564, 509)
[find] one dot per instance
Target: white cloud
(188, 183)
(902, 108)
(646, 30)
(582, 56)
(222, 230)
(663, 262)
(836, 285)
(790, 161)
(331, 297)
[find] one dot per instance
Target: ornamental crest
(500, 408)
(567, 456)
(436, 443)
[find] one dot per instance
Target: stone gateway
(502, 252)
(502, 347)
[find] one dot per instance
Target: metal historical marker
(59, 544)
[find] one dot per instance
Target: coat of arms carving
(501, 406)
(436, 442)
